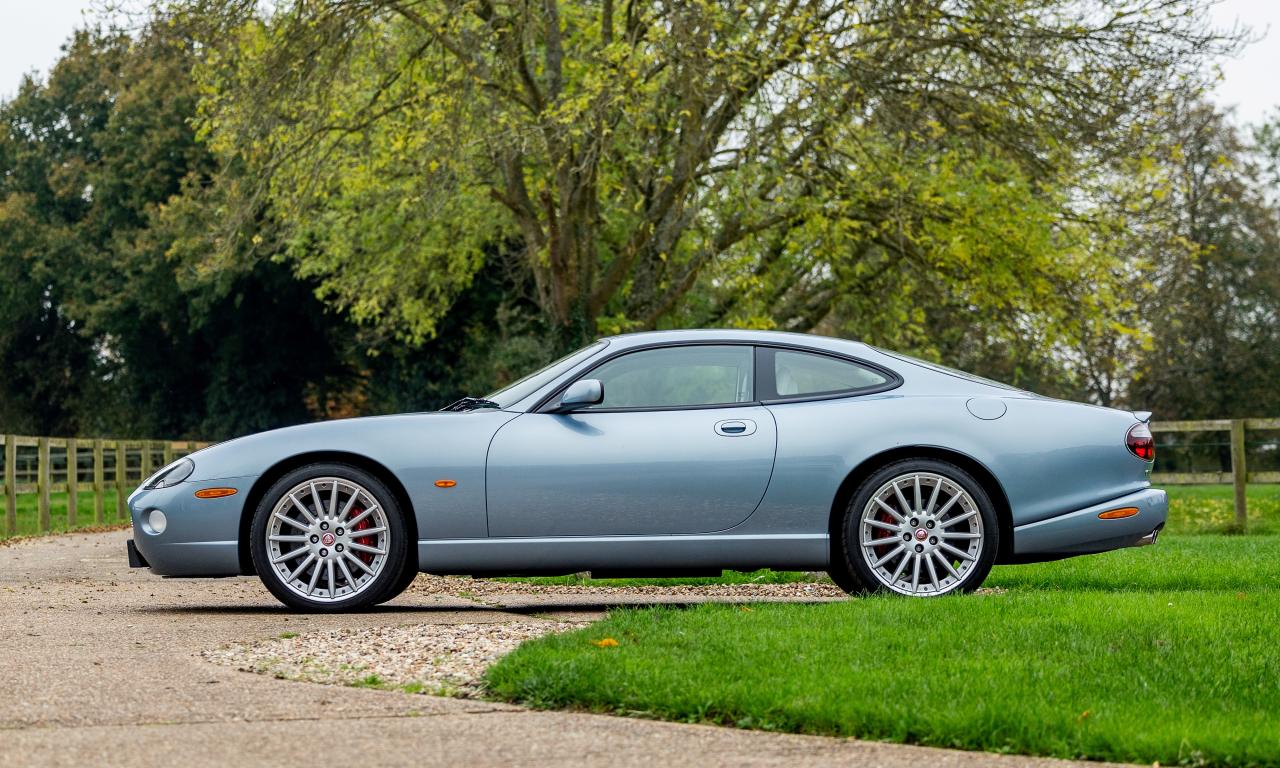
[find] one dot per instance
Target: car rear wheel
(328, 538)
(919, 527)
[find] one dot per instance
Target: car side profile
(667, 453)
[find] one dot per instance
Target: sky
(32, 31)
(30, 35)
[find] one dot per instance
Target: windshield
(519, 390)
(950, 371)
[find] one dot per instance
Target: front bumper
(1082, 532)
(202, 535)
(136, 560)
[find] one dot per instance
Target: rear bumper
(1082, 532)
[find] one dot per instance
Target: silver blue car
(667, 453)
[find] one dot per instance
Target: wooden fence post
(99, 483)
(73, 482)
(42, 482)
(10, 485)
(120, 481)
(1239, 473)
(147, 445)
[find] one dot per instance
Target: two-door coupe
(667, 453)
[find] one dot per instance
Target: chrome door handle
(735, 427)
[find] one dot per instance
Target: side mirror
(581, 394)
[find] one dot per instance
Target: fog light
(154, 522)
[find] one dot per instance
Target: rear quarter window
(798, 374)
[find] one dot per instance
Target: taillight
(1140, 442)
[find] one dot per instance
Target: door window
(677, 377)
(800, 374)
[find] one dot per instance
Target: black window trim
(766, 374)
(892, 380)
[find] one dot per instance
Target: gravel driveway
(103, 665)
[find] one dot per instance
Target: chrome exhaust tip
(1149, 539)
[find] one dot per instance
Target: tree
(111, 323)
(646, 164)
(1214, 300)
(44, 195)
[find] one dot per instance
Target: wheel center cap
(921, 534)
(328, 539)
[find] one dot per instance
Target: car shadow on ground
(522, 607)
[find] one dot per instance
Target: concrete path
(99, 666)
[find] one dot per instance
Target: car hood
(369, 436)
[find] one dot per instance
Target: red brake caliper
(880, 533)
(365, 557)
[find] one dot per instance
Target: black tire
(851, 570)
(408, 572)
(388, 576)
(840, 572)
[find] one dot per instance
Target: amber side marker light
(1118, 514)
(215, 493)
(446, 483)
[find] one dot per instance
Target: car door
(678, 445)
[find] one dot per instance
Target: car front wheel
(328, 538)
(919, 527)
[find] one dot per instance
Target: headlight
(171, 475)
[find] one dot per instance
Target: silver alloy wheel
(920, 533)
(328, 538)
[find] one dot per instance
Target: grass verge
(28, 513)
(1211, 509)
(1164, 654)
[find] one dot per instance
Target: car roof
(916, 376)
(645, 338)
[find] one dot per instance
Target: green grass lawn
(29, 517)
(1138, 676)
(1211, 509)
(1166, 654)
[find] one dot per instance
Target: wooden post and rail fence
(1239, 475)
(113, 468)
(107, 468)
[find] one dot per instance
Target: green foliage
(1214, 300)
(242, 216)
(111, 325)
(869, 170)
(44, 195)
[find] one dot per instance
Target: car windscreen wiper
(470, 404)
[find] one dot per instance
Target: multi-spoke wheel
(329, 537)
(919, 527)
